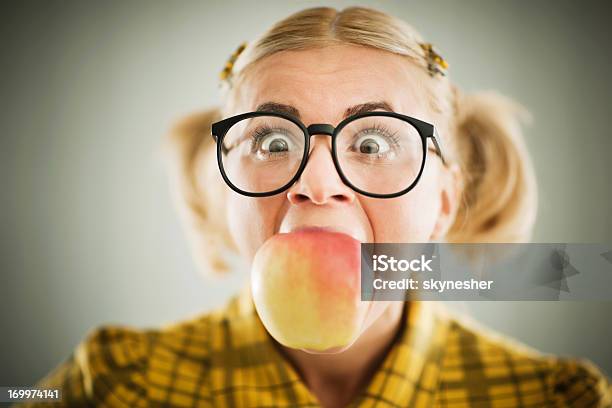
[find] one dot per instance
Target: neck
(337, 378)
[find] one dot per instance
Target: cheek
(408, 218)
(251, 221)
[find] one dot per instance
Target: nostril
(342, 198)
(297, 198)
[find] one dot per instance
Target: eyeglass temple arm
(224, 149)
(437, 141)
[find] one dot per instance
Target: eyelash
(384, 132)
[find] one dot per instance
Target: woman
(471, 183)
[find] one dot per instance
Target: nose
(320, 183)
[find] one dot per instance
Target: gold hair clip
(229, 65)
(435, 63)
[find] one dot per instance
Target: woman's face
(321, 84)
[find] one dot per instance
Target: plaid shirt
(226, 359)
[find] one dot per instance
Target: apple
(306, 289)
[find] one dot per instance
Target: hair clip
(227, 69)
(435, 63)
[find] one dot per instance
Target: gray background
(88, 232)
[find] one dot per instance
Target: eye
(272, 141)
(275, 143)
(376, 141)
(371, 143)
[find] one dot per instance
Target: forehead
(322, 83)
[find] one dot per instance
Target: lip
(328, 228)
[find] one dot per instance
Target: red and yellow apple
(306, 289)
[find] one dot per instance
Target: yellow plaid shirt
(226, 359)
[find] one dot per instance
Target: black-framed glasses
(377, 154)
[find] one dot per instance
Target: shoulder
(124, 366)
(481, 365)
(106, 368)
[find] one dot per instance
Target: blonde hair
(499, 199)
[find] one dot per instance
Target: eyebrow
(353, 110)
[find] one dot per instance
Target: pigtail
(499, 200)
(198, 195)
